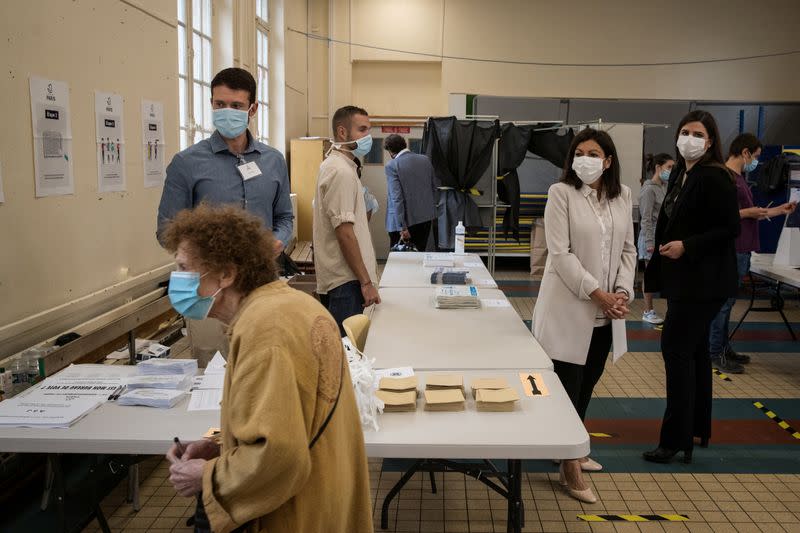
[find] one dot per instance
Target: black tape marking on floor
(778, 420)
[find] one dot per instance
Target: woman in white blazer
(588, 279)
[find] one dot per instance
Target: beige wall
(581, 31)
(57, 249)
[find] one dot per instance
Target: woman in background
(651, 196)
(694, 268)
(588, 277)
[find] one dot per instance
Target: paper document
(487, 283)
(495, 302)
(399, 372)
(209, 381)
(619, 339)
(216, 365)
(473, 264)
(163, 398)
(205, 400)
(22, 412)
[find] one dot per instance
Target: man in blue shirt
(231, 167)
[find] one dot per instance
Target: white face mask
(588, 169)
(691, 147)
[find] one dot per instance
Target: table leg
(59, 489)
(749, 308)
(515, 511)
(48, 484)
(396, 489)
(133, 486)
(779, 300)
(433, 482)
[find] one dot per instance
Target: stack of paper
(207, 389)
(394, 402)
(169, 381)
(445, 381)
(160, 367)
(437, 260)
(496, 399)
(457, 297)
(406, 384)
(23, 412)
(444, 400)
(449, 276)
(163, 398)
(487, 384)
(216, 365)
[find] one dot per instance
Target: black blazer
(706, 218)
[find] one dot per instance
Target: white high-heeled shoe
(586, 495)
(590, 465)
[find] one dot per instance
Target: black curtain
(515, 142)
(460, 151)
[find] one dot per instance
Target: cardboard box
(444, 400)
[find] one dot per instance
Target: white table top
(404, 269)
(112, 428)
(407, 330)
(761, 264)
(539, 428)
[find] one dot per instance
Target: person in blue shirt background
(231, 167)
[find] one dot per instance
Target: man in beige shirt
(344, 258)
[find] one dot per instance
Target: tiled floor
(713, 502)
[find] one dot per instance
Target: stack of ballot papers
(444, 400)
(47, 413)
(398, 394)
(163, 398)
(487, 384)
(160, 367)
(207, 389)
(457, 297)
(168, 381)
(445, 381)
(438, 260)
(496, 399)
(449, 276)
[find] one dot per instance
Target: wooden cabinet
(305, 156)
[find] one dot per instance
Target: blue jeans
(718, 336)
(343, 302)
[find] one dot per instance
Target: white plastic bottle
(460, 235)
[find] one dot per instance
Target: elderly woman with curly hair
(291, 456)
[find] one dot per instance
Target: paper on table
(209, 381)
(473, 264)
(399, 372)
(619, 339)
(495, 302)
(487, 282)
(21, 412)
(216, 365)
(205, 400)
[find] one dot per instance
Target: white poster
(110, 142)
(52, 137)
(153, 143)
(2, 194)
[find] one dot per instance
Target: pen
(111, 396)
(177, 441)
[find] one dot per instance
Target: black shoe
(725, 365)
(740, 358)
(664, 455)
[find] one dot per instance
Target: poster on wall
(153, 143)
(52, 137)
(110, 142)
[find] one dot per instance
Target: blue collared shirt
(208, 171)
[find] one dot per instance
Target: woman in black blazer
(694, 268)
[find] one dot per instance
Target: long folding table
(405, 269)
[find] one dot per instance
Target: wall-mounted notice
(52, 137)
(110, 142)
(153, 143)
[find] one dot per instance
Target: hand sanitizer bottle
(460, 234)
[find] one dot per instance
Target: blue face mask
(751, 166)
(664, 175)
(184, 297)
(363, 146)
(230, 123)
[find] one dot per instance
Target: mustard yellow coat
(285, 368)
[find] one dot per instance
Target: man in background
(411, 187)
(344, 258)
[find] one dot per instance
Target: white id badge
(249, 170)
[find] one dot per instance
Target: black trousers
(579, 380)
(684, 347)
(419, 235)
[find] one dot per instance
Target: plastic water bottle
(460, 235)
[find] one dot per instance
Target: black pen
(177, 441)
(111, 396)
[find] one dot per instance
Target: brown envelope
(398, 401)
(488, 383)
(444, 400)
(444, 381)
(398, 384)
(496, 400)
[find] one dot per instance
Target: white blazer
(564, 314)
